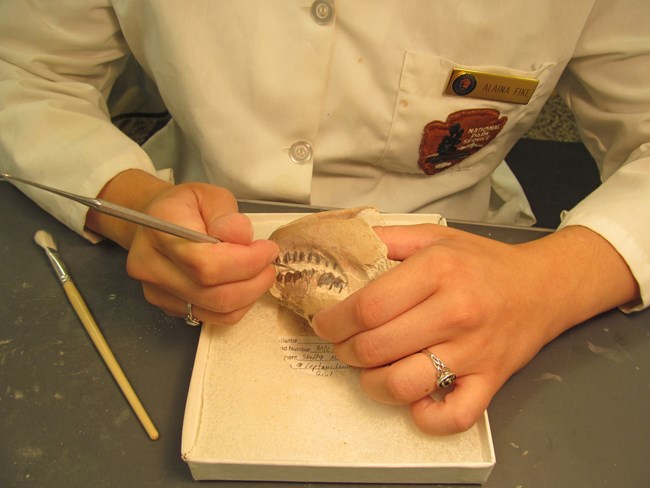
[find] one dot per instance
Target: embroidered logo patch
(445, 144)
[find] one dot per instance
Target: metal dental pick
(125, 213)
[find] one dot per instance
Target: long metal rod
(121, 212)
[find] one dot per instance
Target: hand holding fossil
(484, 307)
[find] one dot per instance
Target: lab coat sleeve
(58, 62)
(607, 87)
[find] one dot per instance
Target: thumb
(232, 227)
(404, 240)
(218, 209)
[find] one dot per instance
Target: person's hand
(221, 281)
(483, 307)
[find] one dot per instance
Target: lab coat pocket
(432, 132)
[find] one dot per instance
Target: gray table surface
(576, 416)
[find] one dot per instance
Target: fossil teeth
(332, 255)
(330, 280)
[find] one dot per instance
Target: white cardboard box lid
(268, 400)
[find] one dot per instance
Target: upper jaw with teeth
(309, 270)
(327, 256)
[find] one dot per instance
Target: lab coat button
(300, 152)
(322, 11)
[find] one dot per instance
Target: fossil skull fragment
(330, 255)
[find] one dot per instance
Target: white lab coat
(275, 105)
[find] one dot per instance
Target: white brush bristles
(45, 240)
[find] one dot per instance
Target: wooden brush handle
(107, 355)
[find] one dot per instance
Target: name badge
(490, 86)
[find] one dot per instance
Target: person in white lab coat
(345, 103)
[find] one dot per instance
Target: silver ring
(191, 319)
(444, 376)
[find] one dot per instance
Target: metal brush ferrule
(57, 263)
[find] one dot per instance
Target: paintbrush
(46, 241)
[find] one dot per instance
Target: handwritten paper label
(310, 354)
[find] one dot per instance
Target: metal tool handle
(121, 212)
(152, 222)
